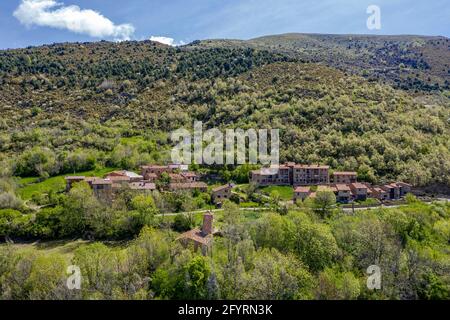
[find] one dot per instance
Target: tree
(155, 246)
(323, 201)
(312, 242)
(163, 181)
(37, 161)
(433, 287)
(47, 277)
(196, 275)
(187, 278)
(278, 277)
(334, 284)
(272, 231)
(146, 210)
(80, 209)
(97, 264)
(182, 223)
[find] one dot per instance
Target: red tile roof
(404, 184)
(302, 189)
(196, 235)
(358, 185)
(312, 166)
(142, 186)
(322, 188)
(192, 185)
(342, 187)
(118, 178)
(345, 173)
(101, 181)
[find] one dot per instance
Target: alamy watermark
(374, 20)
(74, 280)
(374, 278)
(234, 146)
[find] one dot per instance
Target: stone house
(200, 238)
(221, 193)
(301, 193)
(359, 191)
(344, 177)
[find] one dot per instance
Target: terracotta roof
(220, 188)
(326, 188)
(142, 186)
(302, 189)
(75, 178)
(192, 185)
(101, 181)
(345, 173)
(131, 174)
(176, 176)
(358, 185)
(311, 166)
(196, 235)
(342, 187)
(118, 178)
(119, 173)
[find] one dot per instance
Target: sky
(34, 22)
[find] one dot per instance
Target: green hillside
(337, 100)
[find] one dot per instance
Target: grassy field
(285, 192)
(31, 185)
(65, 248)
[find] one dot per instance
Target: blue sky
(188, 20)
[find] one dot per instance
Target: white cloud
(166, 40)
(49, 13)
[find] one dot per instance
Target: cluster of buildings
(105, 188)
(291, 173)
(343, 184)
(179, 179)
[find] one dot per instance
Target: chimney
(207, 227)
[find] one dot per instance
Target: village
(306, 181)
(307, 178)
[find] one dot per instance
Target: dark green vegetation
(406, 62)
(296, 256)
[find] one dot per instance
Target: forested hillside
(347, 101)
(376, 105)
